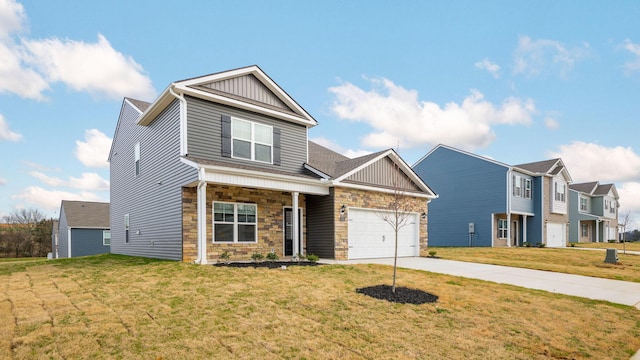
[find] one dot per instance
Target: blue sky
(514, 81)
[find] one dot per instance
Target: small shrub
(611, 241)
(540, 245)
(432, 253)
(257, 257)
(272, 256)
(313, 258)
(526, 244)
(225, 256)
(572, 244)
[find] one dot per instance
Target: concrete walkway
(615, 291)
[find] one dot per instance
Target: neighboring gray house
(484, 202)
(222, 163)
(593, 214)
(54, 239)
(83, 229)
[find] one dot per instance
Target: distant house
(484, 202)
(83, 229)
(222, 163)
(54, 239)
(593, 214)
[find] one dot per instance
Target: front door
(288, 231)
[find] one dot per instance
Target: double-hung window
(560, 192)
(233, 222)
(585, 230)
(136, 154)
(502, 228)
(583, 204)
(251, 141)
(527, 189)
(106, 237)
(517, 186)
(126, 228)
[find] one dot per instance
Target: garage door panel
(556, 235)
(372, 237)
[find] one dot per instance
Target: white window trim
(584, 228)
(252, 141)
(104, 232)
(586, 205)
(235, 223)
(504, 229)
(528, 189)
(127, 234)
(136, 157)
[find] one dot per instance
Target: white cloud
(398, 117)
(88, 181)
(551, 123)
(28, 67)
(339, 149)
(3, 181)
(6, 133)
(96, 68)
(634, 49)
(94, 151)
(50, 199)
(491, 67)
(593, 162)
(537, 57)
(629, 197)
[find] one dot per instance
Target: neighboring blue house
(83, 229)
(593, 214)
(484, 202)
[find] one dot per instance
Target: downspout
(183, 120)
(509, 192)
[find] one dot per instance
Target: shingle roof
(333, 163)
(541, 167)
(586, 188)
(86, 214)
(233, 165)
(603, 189)
(142, 105)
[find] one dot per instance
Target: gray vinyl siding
(152, 199)
(86, 242)
(320, 225)
(204, 135)
(470, 190)
(384, 173)
(519, 203)
(63, 236)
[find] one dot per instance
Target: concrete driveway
(615, 291)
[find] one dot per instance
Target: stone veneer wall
(372, 200)
(270, 221)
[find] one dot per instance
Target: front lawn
(565, 260)
(120, 307)
(629, 246)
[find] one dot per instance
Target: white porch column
(597, 231)
(294, 223)
(524, 229)
(202, 222)
(508, 229)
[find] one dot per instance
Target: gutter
(183, 119)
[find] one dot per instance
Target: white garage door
(556, 235)
(372, 237)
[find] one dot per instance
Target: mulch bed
(402, 295)
(267, 264)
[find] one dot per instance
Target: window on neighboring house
(527, 189)
(517, 186)
(585, 230)
(233, 222)
(106, 237)
(612, 208)
(560, 192)
(126, 228)
(137, 158)
(583, 204)
(502, 228)
(251, 141)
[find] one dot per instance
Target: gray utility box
(612, 256)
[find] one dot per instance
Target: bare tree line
(25, 233)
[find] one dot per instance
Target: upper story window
(521, 187)
(136, 155)
(560, 192)
(527, 189)
(251, 141)
(517, 186)
(583, 204)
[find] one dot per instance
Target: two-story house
(484, 202)
(222, 163)
(593, 214)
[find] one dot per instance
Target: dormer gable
(247, 88)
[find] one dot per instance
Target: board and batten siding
(248, 87)
(153, 199)
(384, 173)
(470, 189)
(321, 225)
(204, 135)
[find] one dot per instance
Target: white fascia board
(159, 104)
(382, 190)
(258, 179)
(316, 171)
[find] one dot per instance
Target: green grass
(117, 307)
(570, 261)
(629, 246)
